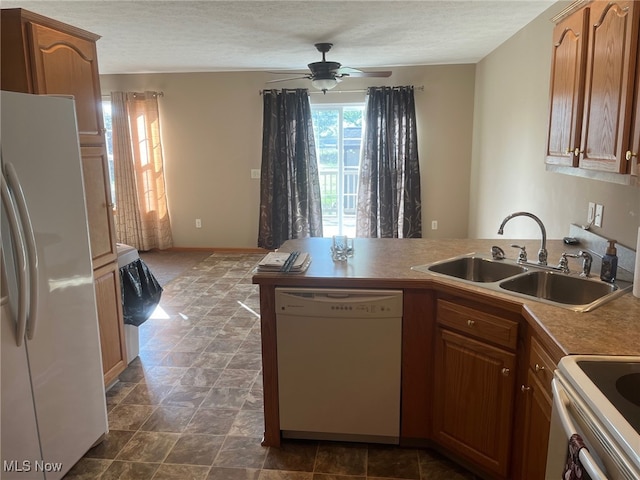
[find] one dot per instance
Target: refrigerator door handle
(32, 251)
(21, 267)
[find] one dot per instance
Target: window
(338, 132)
(106, 114)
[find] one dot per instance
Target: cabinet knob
(471, 323)
(539, 368)
(525, 388)
(577, 152)
(505, 372)
(629, 155)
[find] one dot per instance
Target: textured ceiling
(208, 36)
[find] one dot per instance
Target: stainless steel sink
(559, 287)
(477, 269)
(541, 283)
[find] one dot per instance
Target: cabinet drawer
(541, 364)
(478, 324)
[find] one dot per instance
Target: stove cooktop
(620, 383)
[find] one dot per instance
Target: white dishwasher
(339, 363)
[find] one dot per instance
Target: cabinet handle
(577, 152)
(525, 388)
(471, 323)
(505, 372)
(629, 155)
(539, 368)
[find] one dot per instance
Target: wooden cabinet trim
(417, 364)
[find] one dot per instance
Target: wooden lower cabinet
(535, 429)
(532, 436)
(112, 342)
(473, 405)
(474, 386)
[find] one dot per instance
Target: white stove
(597, 397)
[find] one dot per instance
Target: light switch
(597, 221)
(591, 212)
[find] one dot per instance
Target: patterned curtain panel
(389, 200)
(290, 205)
(142, 216)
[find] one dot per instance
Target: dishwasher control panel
(339, 302)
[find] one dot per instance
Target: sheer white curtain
(142, 216)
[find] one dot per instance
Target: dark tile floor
(190, 407)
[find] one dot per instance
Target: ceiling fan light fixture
(324, 84)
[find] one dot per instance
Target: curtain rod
(362, 90)
(157, 94)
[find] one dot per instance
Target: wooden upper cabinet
(43, 56)
(567, 89)
(609, 86)
(99, 206)
(593, 83)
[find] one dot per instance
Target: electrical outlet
(591, 212)
(198, 223)
(597, 221)
(434, 225)
(255, 173)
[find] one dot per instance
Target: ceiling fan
(325, 75)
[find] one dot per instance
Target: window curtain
(142, 216)
(290, 205)
(389, 199)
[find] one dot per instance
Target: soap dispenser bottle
(609, 263)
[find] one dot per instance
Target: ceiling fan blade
(290, 78)
(352, 72)
(288, 72)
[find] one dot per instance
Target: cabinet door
(608, 102)
(63, 64)
(473, 404)
(537, 414)
(97, 191)
(567, 89)
(112, 341)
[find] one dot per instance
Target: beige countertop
(610, 329)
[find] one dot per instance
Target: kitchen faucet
(542, 253)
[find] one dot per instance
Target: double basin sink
(529, 281)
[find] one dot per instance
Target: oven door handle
(562, 402)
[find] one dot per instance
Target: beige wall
(212, 136)
(508, 172)
(481, 140)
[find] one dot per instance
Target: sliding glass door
(338, 132)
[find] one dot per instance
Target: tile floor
(190, 407)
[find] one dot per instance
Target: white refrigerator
(52, 399)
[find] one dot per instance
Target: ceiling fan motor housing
(321, 70)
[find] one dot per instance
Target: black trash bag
(140, 292)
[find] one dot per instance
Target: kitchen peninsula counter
(610, 329)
